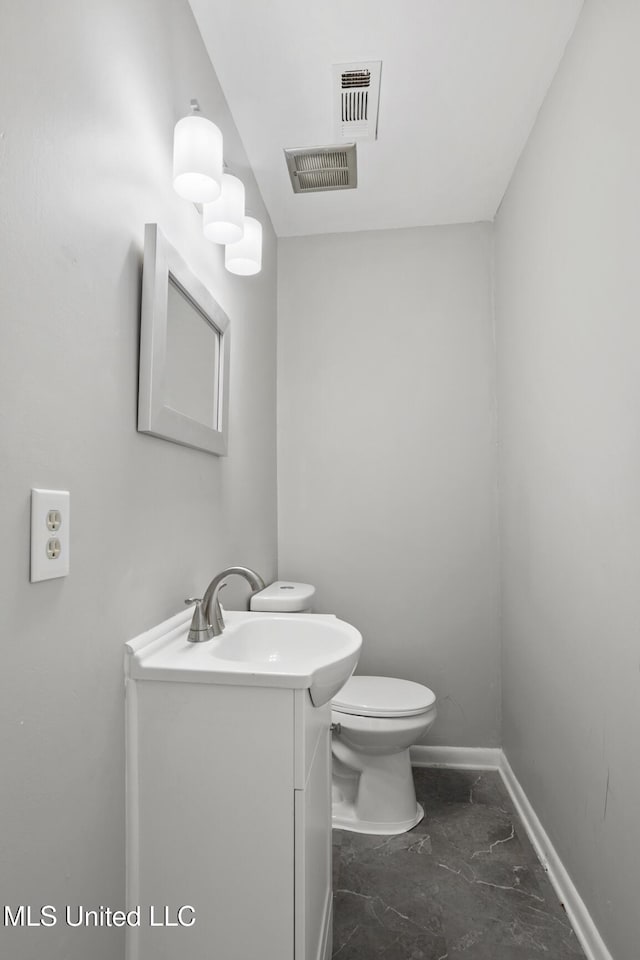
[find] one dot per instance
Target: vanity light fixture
(244, 258)
(198, 176)
(197, 157)
(223, 219)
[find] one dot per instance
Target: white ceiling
(462, 82)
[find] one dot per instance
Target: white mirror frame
(162, 263)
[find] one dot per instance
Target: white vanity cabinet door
(312, 838)
(228, 811)
(210, 819)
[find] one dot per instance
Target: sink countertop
(165, 653)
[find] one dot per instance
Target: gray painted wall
(568, 335)
(89, 94)
(386, 445)
(386, 455)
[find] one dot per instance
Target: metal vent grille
(356, 78)
(356, 97)
(355, 106)
(316, 160)
(323, 180)
(313, 169)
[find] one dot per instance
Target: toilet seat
(383, 697)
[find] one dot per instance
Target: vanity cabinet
(228, 812)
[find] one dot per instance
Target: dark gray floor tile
(502, 907)
(553, 904)
(368, 925)
(464, 884)
(480, 793)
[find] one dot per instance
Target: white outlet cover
(43, 565)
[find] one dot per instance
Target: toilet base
(344, 818)
(373, 793)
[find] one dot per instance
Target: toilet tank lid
(383, 697)
(283, 596)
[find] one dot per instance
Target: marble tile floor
(465, 884)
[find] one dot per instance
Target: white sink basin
(301, 651)
(324, 648)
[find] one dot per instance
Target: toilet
(284, 596)
(375, 720)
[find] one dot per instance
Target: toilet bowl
(376, 720)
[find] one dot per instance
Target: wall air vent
(322, 168)
(356, 96)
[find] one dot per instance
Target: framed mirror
(183, 390)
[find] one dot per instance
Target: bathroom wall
(568, 335)
(89, 94)
(386, 455)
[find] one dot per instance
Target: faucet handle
(191, 600)
(200, 629)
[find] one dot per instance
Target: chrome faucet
(204, 626)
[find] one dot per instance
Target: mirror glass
(192, 364)
(183, 389)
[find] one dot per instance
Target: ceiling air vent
(322, 168)
(356, 95)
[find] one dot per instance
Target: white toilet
(376, 720)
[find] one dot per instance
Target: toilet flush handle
(336, 728)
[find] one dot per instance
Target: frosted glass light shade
(197, 159)
(223, 219)
(245, 256)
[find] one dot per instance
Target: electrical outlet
(54, 548)
(50, 513)
(54, 519)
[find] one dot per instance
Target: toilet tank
(283, 596)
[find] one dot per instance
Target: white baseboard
(493, 758)
(580, 918)
(471, 758)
